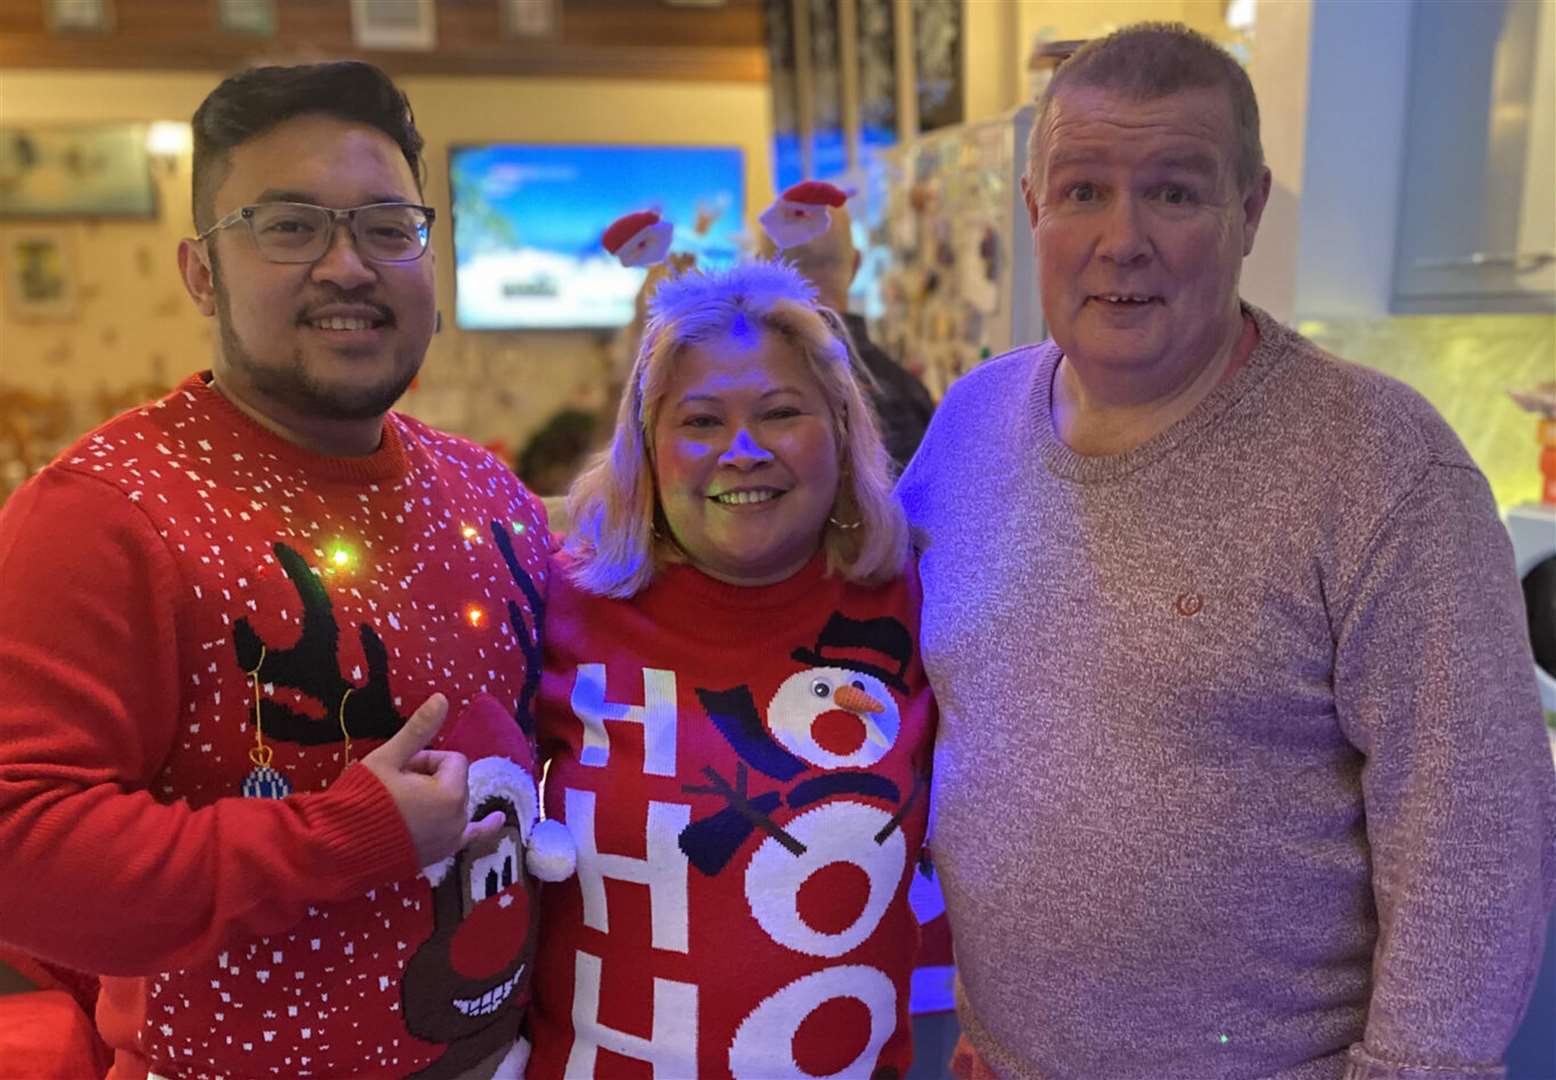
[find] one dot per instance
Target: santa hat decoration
(802, 213)
(639, 238)
(502, 766)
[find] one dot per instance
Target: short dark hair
(1151, 60)
(252, 102)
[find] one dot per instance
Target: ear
(196, 272)
(1029, 197)
(1254, 202)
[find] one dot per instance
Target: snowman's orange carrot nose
(856, 700)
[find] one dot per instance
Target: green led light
(518, 526)
(1225, 1040)
(340, 556)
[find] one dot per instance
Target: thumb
(416, 733)
(485, 829)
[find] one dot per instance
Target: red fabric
(45, 1035)
(132, 572)
(48, 1033)
(968, 1064)
(772, 962)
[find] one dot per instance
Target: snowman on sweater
(832, 720)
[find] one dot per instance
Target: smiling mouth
(1125, 299)
(490, 1001)
(336, 322)
(745, 498)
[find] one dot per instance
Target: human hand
(429, 787)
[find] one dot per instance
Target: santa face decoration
(639, 239)
(801, 213)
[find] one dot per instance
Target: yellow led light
(475, 616)
(340, 556)
(469, 532)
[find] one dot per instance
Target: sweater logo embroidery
(1189, 604)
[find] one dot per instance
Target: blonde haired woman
(737, 720)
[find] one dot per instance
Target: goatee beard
(294, 387)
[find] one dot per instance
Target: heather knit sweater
(143, 575)
(1241, 770)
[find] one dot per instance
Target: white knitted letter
(764, 1043)
(656, 714)
(671, 1049)
(664, 871)
(840, 832)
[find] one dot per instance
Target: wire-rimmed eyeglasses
(291, 232)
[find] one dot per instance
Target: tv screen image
(528, 220)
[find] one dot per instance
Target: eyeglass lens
(296, 232)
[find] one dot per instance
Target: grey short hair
(1151, 60)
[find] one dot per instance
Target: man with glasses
(219, 614)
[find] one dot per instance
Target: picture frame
(394, 24)
(75, 16)
(101, 170)
(531, 18)
(253, 17)
(40, 280)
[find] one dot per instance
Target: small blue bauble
(265, 783)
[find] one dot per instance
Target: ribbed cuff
(365, 839)
(1361, 1065)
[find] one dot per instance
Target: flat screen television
(528, 220)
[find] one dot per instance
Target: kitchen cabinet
(1477, 222)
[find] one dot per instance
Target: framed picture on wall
(257, 17)
(531, 18)
(92, 16)
(97, 171)
(39, 273)
(394, 24)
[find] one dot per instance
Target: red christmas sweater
(143, 577)
(745, 774)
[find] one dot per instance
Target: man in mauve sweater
(1241, 770)
(233, 620)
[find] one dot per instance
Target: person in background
(1241, 771)
(232, 622)
(736, 721)
(554, 454)
(830, 262)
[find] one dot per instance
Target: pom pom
(552, 855)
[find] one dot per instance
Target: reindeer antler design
(312, 665)
(530, 636)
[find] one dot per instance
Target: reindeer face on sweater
(468, 983)
(473, 972)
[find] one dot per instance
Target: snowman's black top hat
(860, 645)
